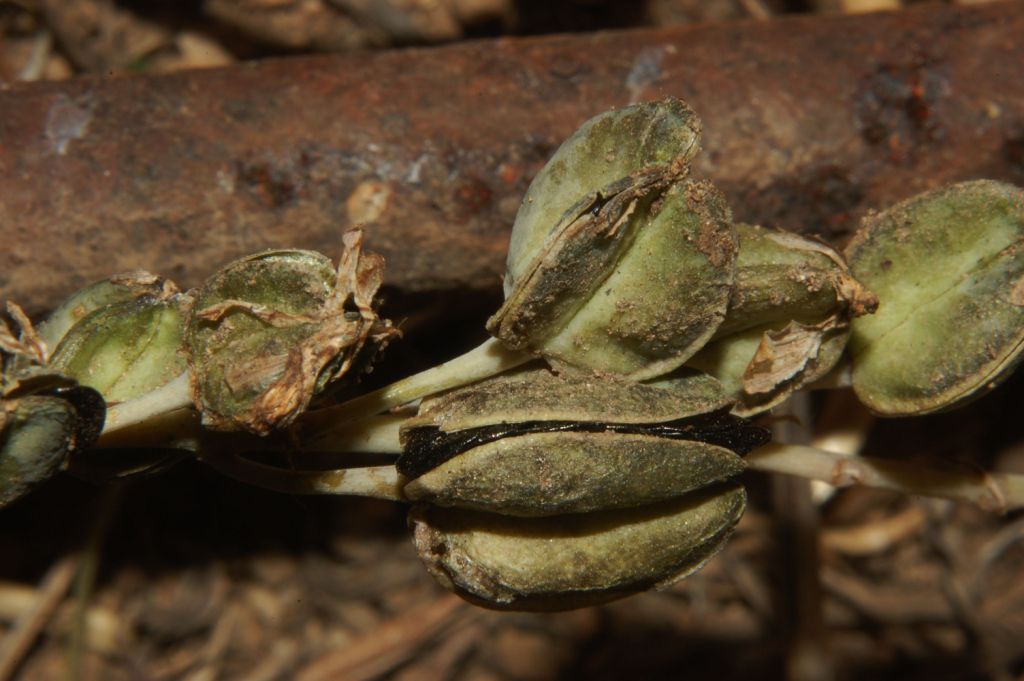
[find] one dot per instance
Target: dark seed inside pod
(92, 413)
(428, 447)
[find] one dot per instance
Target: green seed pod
(270, 331)
(761, 367)
(948, 269)
(536, 443)
(38, 432)
(117, 289)
(617, 261)
(788, 318)
(125, 349)
(576, 560)
(45, 337)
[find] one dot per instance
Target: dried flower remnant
(618, 261)
(271, 330)
(788, 320)
(947, 267)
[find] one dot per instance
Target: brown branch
(809, 121)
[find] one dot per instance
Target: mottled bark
(809, 122)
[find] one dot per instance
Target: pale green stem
(170, 397)
(998, 492)
(379, 482)
(487, 359)
(374, 434)
(181, 430)
(177, 429)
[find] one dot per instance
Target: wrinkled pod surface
(543, 491)
(788, 320)
(948, 268)
(619, 261)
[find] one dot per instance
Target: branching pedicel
(640, 326)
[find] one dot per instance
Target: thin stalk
(797, 527)
(170, 397)
(487, 359)
(181, 429)
(178, 429)
(17, 642)
(998, 492)
(374, 434)
(378, 482)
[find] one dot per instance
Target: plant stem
(379, 482)
(487, 359)
(181, 429)
(374, 434)
(170, 397)
(998, 492)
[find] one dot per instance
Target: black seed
(428, 447)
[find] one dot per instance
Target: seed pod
(617, 261)
(948, 268)
(788, 318)
(38, 432)
(117, 289)
(125, 349)
(271, 330)
(575, 560)
(536, 443)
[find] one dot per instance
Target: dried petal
(270, 331)
(575, 560)
(948, 267)
(788, 318)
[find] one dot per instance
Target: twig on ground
(874, 536)
(52, 591)
(486, 360)
(389, 644)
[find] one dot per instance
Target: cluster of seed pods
(611, 469)
(643, 325)
(247, 351)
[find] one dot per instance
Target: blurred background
(54, 39)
